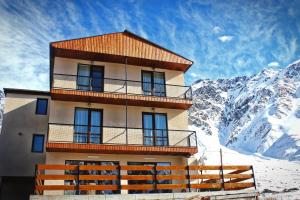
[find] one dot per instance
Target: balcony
(121, 92)
(121, 140)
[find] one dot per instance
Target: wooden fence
(182, 178)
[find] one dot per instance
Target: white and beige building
(114, 99)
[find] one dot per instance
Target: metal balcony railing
(130, 87)
(70, 133)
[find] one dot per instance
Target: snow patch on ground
(271, 174)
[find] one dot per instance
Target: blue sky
(224, 38)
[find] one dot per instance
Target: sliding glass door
(88, 126)
(155, 129)
(153, 83)
(90, 78)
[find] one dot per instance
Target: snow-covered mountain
(257, 114)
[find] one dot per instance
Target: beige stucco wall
(123, 159)
(19, 124)
(115, 71)
(115, 115)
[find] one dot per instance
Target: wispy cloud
(216, 29)
(225, 38)
(273, 64)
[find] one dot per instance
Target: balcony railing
(70, 133)
(130, 87)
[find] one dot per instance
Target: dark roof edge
(25, 91)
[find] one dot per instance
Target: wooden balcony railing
(183, 178)
(130, 87)
(121, 92)
(102, 139)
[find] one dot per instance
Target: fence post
(155, 178)
(253, 176)
(77, 185)
(119, 177)
(222, 171)
(188, 177)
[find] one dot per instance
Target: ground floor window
(93, 172)
(148, 172)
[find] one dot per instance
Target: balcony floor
(119, 99)
(119, 149)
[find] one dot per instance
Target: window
(155, 129)
(153, 83)
(90, 78)
(41, 106)
(93, 172)
(37, 143)
(149, 172)
(87, 125)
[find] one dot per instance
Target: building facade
(115, 99)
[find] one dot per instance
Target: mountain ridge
(255, 114)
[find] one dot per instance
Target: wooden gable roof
(115, 47)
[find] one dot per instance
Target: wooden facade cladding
(119, 149)
(115, 47)
(119, 99)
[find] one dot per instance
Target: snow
(272, 174)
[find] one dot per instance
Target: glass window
(90, 78)
(153, 83)
(37, 143)
(149, 172)
(41, 106)
(87, 126)
(155, 129)
(93, 172)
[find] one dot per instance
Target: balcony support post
(126, 101)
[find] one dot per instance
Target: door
(153, 83)
(88, 126)
(155, 129)
(90, 78)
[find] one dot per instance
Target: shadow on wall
(18, 128)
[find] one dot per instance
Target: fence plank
(171, 186)
(137, 177)
(98, 177)
(171, 177)
(237, 186)
(237, 167)
(55, 177)
(205, 176)
(56, 167)
(98, 187)
(174, 167)
(207, 186)
(246, 176)
(137, 167)
(205, 167)
(138, 187)
(98, 167)
(55, 187)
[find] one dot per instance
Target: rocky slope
(257, 114)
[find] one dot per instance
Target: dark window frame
(152, 82)
(91, 67)
(36, 106)
(153, 125)
(89, 122)
(32, 143)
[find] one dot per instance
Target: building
(115, 99)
